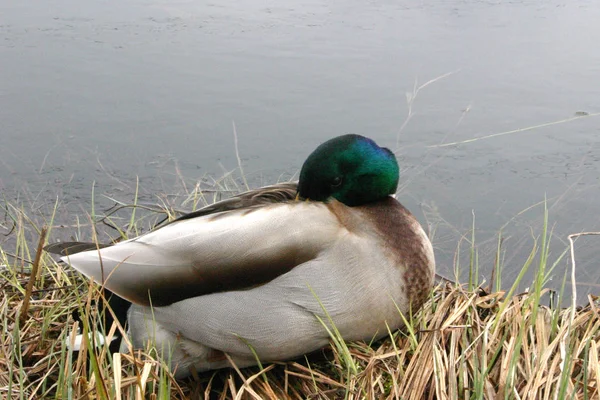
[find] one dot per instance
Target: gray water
(104, 92)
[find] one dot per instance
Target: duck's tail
(118, 305)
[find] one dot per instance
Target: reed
(467, 342)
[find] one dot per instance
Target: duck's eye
(337, 181)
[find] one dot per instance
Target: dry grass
(465, 343)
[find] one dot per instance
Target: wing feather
(224, 251)
(279, 193)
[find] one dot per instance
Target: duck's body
(249, 277)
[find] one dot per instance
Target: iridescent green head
(351, 169)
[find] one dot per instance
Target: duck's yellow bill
(298, 198)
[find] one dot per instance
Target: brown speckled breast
(405, 240)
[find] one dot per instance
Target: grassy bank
(468, 341)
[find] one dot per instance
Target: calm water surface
(109, 91)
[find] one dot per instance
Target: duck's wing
(66, 248)
(278, 193)
(221, 251)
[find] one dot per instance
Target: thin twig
(237, 154)
(17, 257)
(410, 99)
(573, 281)
(529, 128)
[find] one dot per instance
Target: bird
(264, 276)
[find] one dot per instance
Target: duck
(264, 275)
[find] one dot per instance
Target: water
(106, 92)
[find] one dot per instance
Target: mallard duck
(249, 276)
